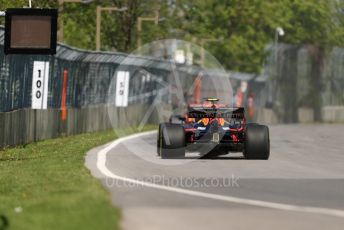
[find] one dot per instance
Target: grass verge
(45, 185)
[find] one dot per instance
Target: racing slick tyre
(171, 141)
(158, 140)
(257, 142)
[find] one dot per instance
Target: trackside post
(64, 96)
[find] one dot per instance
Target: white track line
(101, 165)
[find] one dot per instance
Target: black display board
(30, 31)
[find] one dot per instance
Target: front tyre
(257, 142)
(171, 141)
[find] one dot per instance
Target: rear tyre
(158, 140)
(171, 141)
(257, 142)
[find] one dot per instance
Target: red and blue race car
(213, 129)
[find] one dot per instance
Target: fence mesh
(300, 76)
(90, 74)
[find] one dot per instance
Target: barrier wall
(330, 114)
(333, 113)
(26, 125)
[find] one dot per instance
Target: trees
(120, 29)
(246, 27)
(242, 28)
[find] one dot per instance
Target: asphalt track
(301, 186)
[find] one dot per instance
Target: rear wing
(227, 113)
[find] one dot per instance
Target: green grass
(49, 181)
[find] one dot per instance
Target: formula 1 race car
(213, 129)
